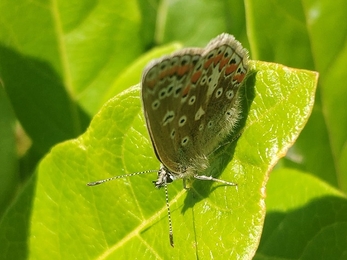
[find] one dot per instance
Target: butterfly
(191, 103)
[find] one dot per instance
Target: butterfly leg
(210, 178)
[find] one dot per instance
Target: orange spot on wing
(181, 70)
(223, 63)
(151, 83)
(230, 69)
(172, 70)
(208, 63)
(186, 90)
(163, 74)
(239, 77)
(196, 76)
(217, 59)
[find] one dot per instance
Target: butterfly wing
(227, 68)
(190, 101)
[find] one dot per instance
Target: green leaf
(307, 209)
(8, 153)
(81, 49)
(41, 103)
(199, 21)
(332, 64)
(57, 211)
(58, 59)
(297, 33)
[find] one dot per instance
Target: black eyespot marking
(182, 121)
(203, 80)
(178, 90)
(173, 63)
(195, 60)
(169, 90)
(184, 141)
(173, 133)
(229, 94)
(155, 104)
(232, 61)
(162, 93)
(168, 117)
(192, 100)
(219, 92)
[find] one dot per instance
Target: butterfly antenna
(169, 216)
(94, 183)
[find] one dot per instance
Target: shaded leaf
(305, 208)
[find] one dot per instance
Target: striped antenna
(94, 183)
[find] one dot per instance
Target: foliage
(61, 61)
